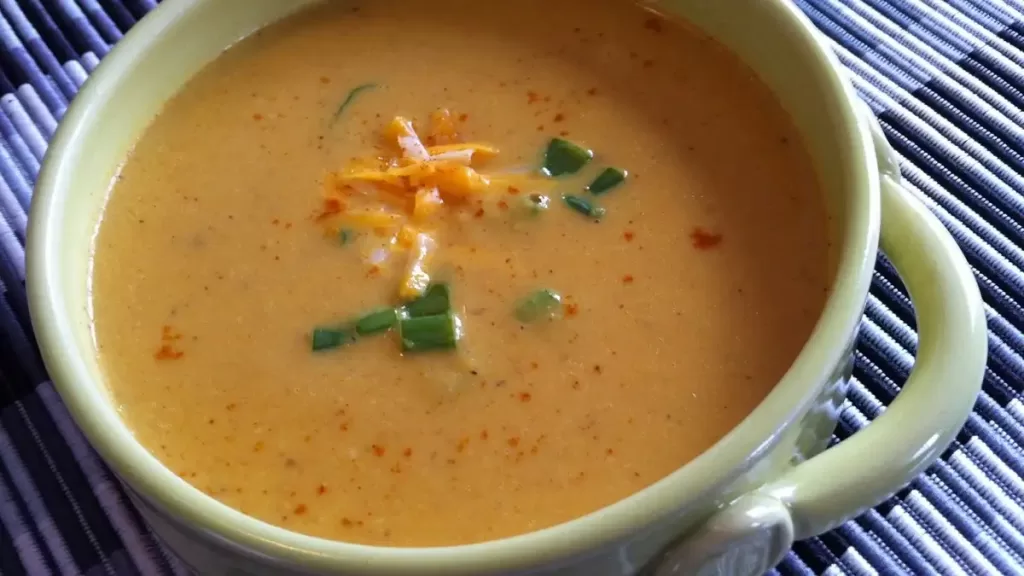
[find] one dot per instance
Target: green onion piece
(536, 204)
(531, 206)
(377, 321)
(437, 332)
(329, 338)
(608, 179)
(584, 206)
(539, 305)
(436, 300)
(355, 92)
(564, 157)
(345, 236)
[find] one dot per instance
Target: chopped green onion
(351, 98)
(564, 157)
(584, 206)
(328, 338)
(539, 305)
(531, 206)
(608, 179)
(377, 321)
(345, 236)
(436, 332)
(436, 300)
(537, 203)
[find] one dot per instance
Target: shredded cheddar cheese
(472, 150)
(458, 180)
(416, 278)
(394, 195)
(406, 237)
(428, 202)
(373, 218)
(401, 133)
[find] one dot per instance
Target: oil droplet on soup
(616, 315)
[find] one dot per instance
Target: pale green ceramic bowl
(734, 510)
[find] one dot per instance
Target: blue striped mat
(946, 79)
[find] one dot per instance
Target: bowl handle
(751, 534)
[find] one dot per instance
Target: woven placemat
(946, 79)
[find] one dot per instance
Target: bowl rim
(719, 465)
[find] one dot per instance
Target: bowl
(735, 509)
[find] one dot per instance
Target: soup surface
(229, 236)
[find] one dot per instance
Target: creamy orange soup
(257, 208)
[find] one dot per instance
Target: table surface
(946, 79)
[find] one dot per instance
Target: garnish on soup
(608, 179)
(540, 305)
(563, 157)
(397, 197)
(352, 95)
